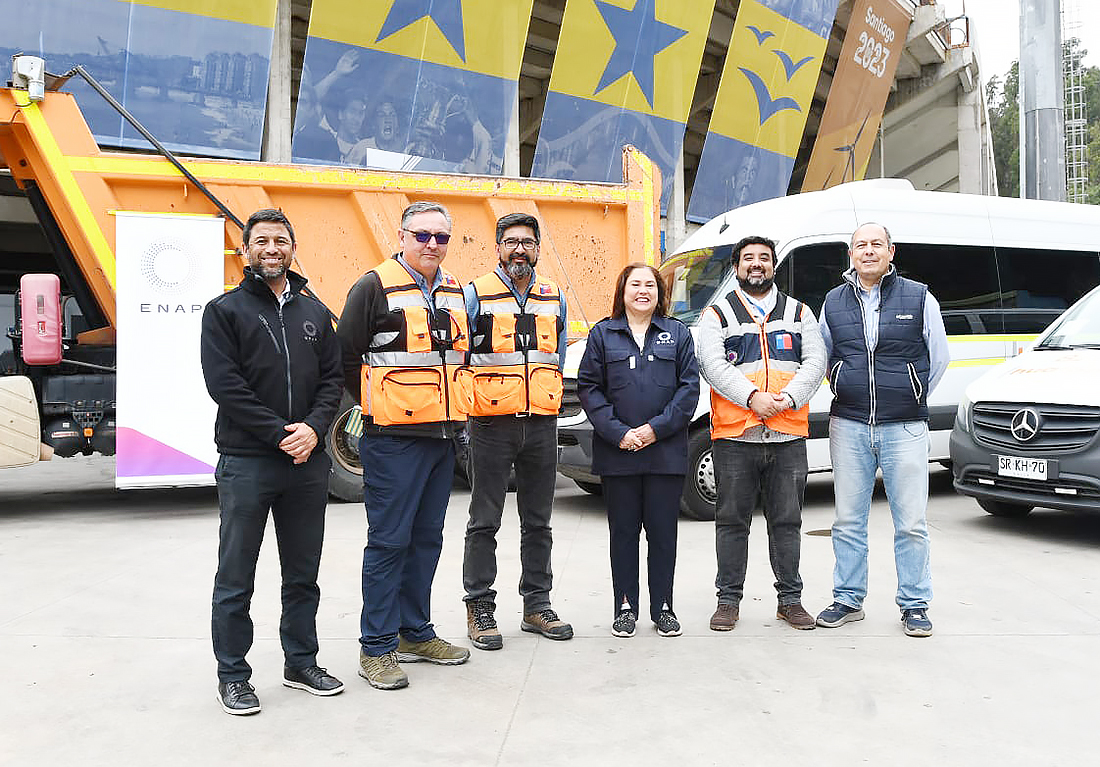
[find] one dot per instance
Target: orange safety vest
(514, 364)
(408, 372)
(769, 354)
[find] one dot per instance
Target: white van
(1027, 433)
(1002, 269)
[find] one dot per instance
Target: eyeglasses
(511, 243)
(442, 238)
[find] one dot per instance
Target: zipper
(870, 352)
(289, 386)
(914, 382)
(270, 332)
(833, 376)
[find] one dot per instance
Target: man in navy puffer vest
(887, 349)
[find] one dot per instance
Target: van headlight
(962, 415)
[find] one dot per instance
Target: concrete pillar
(675, 222)
(971, 153)
(511, 144)
(1042, 119)
(277, 126)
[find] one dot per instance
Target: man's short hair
(889, 240)
(752, 239)
(269, 216)
(425, 206)
(517, 219)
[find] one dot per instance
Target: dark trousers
(296, 495)
(635, 501)
(498, 443)
(775, 475)
(407, 483)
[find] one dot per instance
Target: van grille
(570, 402)
(1061, 427)
(1085, 490)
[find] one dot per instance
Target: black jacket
(622, 387)
(267, 366)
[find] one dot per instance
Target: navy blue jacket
(622, 387)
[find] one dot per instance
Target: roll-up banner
(857, 98)
(768, 82)
(168, 268)
(410, 84)
(194, 72)
(624, 73)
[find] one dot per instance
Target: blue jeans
(407, 483)
(901, 451)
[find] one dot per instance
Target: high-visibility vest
(769, 354)
(514, 364)
(408, 372)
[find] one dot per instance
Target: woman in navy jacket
(639, 383)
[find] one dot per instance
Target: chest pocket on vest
(546, 332)
(504, 332)
(418, 337)
(546, 388)
(411, 395)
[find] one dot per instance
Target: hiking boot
(916, 622)
(481, 626)
(795, 615)
(724, 618)
(547, 623)
(382, 671)
(837, 614)
(435, 650)
(667, 625)
(238, 698)
(624, 625)
(313, 679)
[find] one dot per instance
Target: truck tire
(592, 488)
(1005, 509)
(345, 482)
(700, 487)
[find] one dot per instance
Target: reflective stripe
(497, 358)
(450, 300)
(406, 301)
(404, 359)
(507, 306)
(454, 357)
(543, 358)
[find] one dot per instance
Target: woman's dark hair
(618, 305)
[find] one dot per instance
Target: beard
(269, 272)
(756, 286)
(519, 270)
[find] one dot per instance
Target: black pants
(749, 474)
(497, 443)
(296, 495)
(633, 502)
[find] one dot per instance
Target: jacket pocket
(620, 372)
(497, 393)
(662, 370)
(546, 388)
(410, 395)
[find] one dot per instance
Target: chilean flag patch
(784, 342)
(544, 289)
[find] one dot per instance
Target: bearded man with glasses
(517, 349)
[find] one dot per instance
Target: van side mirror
(40, 322)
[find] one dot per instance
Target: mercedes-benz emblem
(1025, 424)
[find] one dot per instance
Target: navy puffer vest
(889, 383)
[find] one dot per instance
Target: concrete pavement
(104, 634)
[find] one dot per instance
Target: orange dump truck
(346, 221)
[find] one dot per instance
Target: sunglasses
(441, 238)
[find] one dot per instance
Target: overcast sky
(996, 26)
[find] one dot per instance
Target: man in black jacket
(271, 362)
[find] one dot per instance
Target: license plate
(1022, 468)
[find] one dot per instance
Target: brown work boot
(547, 623)
(724, 618)
(481, 626)
(795, 615)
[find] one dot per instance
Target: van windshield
(1078, 328)
(691, 279)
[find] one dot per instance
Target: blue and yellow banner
(624, 73)
(194, 72)
(768, 82)
(425, 84)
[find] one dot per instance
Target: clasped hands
(637, 438)
(300, 442)
(766, 404)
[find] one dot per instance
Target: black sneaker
(916, 623)
(313, 679)
(238, 698)
(624, 624)
(667, 625)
